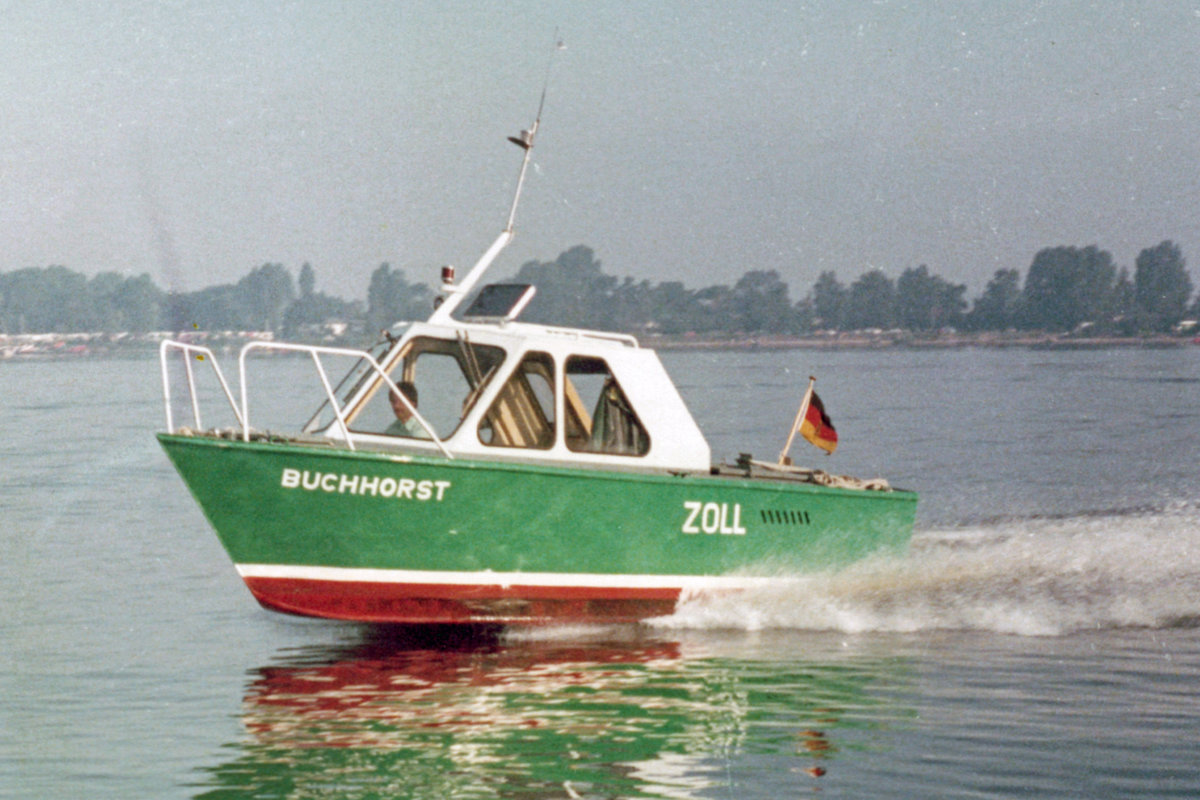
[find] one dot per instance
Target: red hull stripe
(419, 597)
(373, 601)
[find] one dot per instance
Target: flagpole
(799, 419)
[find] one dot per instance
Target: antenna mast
(455, 294)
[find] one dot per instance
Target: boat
(475, 468)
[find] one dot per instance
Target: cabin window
(448, 375)
(522, 415)
(597, 414)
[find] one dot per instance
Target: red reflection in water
(400, 680)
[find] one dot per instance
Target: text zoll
(713, 518)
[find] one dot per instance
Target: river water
(1041, 638)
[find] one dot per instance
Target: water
(1042, 638)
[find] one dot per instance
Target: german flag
(817, 427)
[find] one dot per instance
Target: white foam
(1036, 577)
(568, 632)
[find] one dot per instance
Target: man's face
(398, 408)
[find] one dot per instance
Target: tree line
(1064, 289)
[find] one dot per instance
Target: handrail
(187, 350)
(316, 351)
(627, 339)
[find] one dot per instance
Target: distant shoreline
(71, 346)
(881, 341)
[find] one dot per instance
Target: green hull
(385, 538)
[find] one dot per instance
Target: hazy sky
(690, 141)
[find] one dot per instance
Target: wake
(1036, 577)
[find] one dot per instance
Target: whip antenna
(453, 293)
(525, 139)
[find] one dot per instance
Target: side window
(598, 417)
(522, 415)
(442, 378)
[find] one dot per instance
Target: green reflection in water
(406, 714)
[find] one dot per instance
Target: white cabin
(505, 390)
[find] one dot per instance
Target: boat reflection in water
(410, 713)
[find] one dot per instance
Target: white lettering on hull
(364, 485)
(724, 518)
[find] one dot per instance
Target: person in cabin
(405, 423)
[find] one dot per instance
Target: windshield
(441, 378)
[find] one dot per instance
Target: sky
(688, 141)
